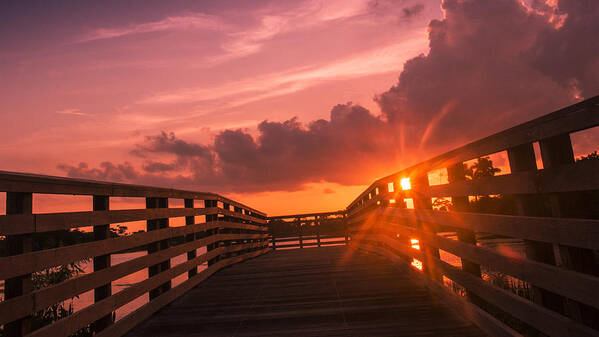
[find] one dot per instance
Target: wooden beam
(102, 232)
(18, 284)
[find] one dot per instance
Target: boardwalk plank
(317, 292)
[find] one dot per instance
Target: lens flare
(405, 184)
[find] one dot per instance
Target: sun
(405, 184)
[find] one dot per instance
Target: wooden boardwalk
(329, 291)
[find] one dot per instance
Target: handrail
(560, 235)
(577, 117)
(225, 234)
(326, 228)
(36, 183)
(547, 212)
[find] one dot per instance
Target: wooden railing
(553, 215)
(231, 232)
(308, 229)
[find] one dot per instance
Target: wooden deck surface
(308, 292)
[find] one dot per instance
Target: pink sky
(89, 82)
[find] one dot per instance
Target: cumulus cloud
(283, 156)
(107, 171)
(481, 71)
(570, 54)
(491, 64)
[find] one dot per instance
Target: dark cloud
(284, 155)
(570, 54)
(411, 11)
(153, 167)
(107, 171)
(491, 65)
(478, 72)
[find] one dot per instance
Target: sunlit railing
(430, 229)
(308, 230)
(217, 232)
(550, 214)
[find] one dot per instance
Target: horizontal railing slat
(582, 176)
(580, 116)
(538, 317)
(24, 224)
(80, 319)
(304, 215)
(130, 321)
(38, 260)
(33, 183)
(45, 297)
(310, 237)
(577, 286)
(583, 233)
(324, 243)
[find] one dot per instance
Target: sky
(288, 106)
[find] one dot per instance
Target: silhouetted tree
(498, 204)
(591, 156)
(483, 167)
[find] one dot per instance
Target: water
(86, 299)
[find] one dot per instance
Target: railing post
(556, 151)
(318, 223)
(423, 201)
(237, 231)
(522, 158)
(456, 173)
(272, 235)
(156, 224)
(346, 228)
(211, 218)
(299, 228)
(190, 220)
(102, 232)
(18, 203)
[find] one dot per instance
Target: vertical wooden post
(190, 220)
(102, 232)
(345, 226)
(557, 151)
(211, 218)
(164, 244)
(456, 173)
(318, 223)
(155, 224)
(422, 201)
(522, 158)
(299, 228)
(18, 203)
(271, 228)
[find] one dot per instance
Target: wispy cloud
(278, 21)
(236, 93)
(75, 112)
(185, 22)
